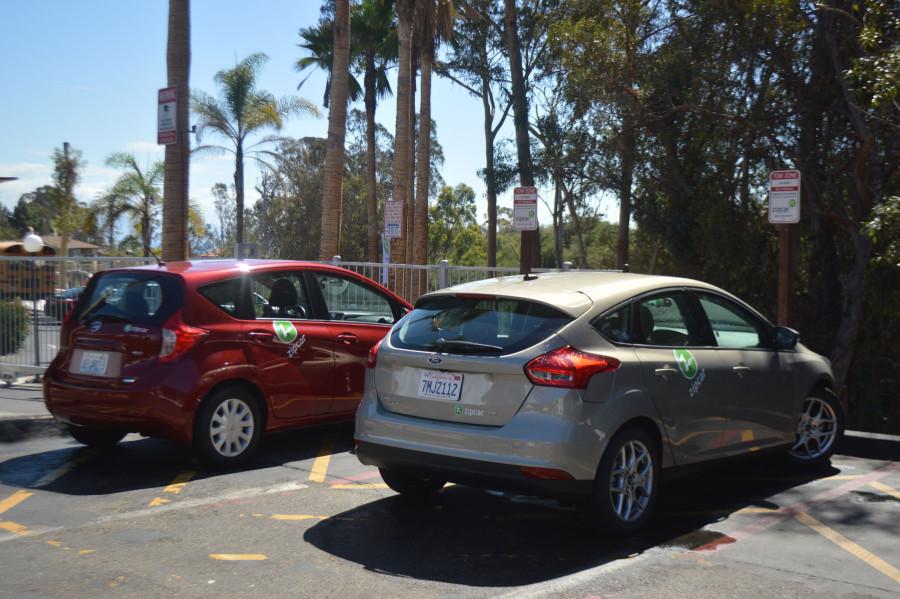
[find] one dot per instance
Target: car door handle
(740, 370)
(347, 338)
(664, 371)
(260, 336)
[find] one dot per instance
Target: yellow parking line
(843, 477)
(14, 527)
(53, 475)
(885, 489)
(175, 487)
(238, 557)
(849, 546)
(297, 517)
(14, 500)
(320, 466)
(360, 486)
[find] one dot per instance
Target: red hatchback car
(216, 352)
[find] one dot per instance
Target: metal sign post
(784, 210)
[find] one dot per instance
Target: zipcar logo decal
(686, 363)
(284, 330)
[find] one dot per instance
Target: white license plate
(94, 362)
(440, 385)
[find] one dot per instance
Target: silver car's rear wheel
(819, 426)
(631, 481)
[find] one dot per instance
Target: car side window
(226, 295)
(346, 299)
(279, 295)
(617, 326)
(732, 326)
(663, 319)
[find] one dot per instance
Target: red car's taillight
(177, 338)
(567, 367)
(373, 354)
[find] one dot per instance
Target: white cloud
(141, 148)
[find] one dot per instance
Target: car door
(684, 376)
(289, 345)
(761, 382)
(360, 316)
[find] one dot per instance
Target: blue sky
(88, 72)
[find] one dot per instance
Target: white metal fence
(31, 313)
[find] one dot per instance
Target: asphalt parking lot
(306, 519)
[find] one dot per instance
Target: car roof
(574, 292)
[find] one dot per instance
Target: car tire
(626, 484)
(96, 437)
(228, 427)
(820, 427)
(410, 486)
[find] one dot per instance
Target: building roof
(55, 241)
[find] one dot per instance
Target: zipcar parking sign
(784, 197)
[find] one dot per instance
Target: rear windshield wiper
(469, 347)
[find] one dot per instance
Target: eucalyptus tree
(137, 195)
(242, 111)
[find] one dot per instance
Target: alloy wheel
(631, 481)
(816, 430)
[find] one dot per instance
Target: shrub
(13, 326)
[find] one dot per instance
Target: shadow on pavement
(489, 539)
(151, 463)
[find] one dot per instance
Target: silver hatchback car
(587, 384)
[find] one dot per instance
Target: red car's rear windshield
(140, 297)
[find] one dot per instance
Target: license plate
(440, 385)
(94, 362)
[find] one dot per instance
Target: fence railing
(33, 297)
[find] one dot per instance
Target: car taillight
(373, 354)
(177, 338)
(567, 367)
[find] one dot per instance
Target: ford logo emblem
(435, 359)
(95, 326)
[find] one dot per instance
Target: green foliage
(13, 326)
(453, 233)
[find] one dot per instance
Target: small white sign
(525, 209)
(784, 197)
(166, 126)
(393, 218)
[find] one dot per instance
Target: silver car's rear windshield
(477, 325)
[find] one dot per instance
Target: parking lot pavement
(306, 519)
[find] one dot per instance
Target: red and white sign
(784, 197)
(166, 126)
(393, 217)
(525, 208)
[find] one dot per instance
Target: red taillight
(177, 338)
(567, 367)
(373, 354)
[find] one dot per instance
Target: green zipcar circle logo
(285, 330)
(459, 410)
(686, 363)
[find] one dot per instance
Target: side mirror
(786, 338)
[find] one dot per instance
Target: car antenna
(529, 277)
(159, 261)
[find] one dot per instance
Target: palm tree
(405, 12)
(373, 50)
(240, 111)
(136, 194)
(178, 63)
(435, 24)
(374, 43)
(330, 240)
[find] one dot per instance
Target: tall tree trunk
(175, 193)
(558, 219)
(573, 214)
(67, 206)
(371, 102)
(329, 243)
(411, 182)
(490, 177)
(626, 156)
(239, 192)
(530, 244)
(423, 168)
(146, 239)
(401, 125)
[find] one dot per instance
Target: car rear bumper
(151, 411)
